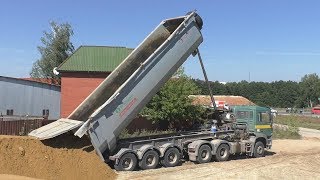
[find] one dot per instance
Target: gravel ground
(288, 159)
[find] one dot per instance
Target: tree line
(280, 94)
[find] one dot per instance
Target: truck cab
(258, 121)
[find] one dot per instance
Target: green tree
(55, 49)
(171, 106)
(284, 94)
(310, 89)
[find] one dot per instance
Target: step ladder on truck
(123, 94)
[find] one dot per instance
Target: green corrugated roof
(95, 59)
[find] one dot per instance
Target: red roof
(43, 80)
(230, 100)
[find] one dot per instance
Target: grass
(299, 121)
(285, 132)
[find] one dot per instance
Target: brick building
(84, 70)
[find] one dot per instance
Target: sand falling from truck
(64, 157)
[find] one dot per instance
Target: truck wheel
(150, 160)
(127, 162)
(204, 154)
(171, 158)
(222, 153)
(258, 149)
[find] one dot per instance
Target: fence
(16, 125)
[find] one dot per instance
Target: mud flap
(55, 128)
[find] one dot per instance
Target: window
(264, 117)
(9, 112)
(45, 112)
(244, 114)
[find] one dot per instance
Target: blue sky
(273, 40)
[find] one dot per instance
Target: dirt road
(289, 159)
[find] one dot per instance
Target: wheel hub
(223, 152)
(172, 157)
(150, 160)
(204, 154)
(127, 163)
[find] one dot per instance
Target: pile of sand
(65, 157)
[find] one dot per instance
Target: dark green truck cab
(258, 121)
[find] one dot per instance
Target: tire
(150, 160)
(258, 150)
(223, 153)
(127, 162)
(204, 154)
(171, 158)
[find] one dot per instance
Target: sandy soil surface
(68, 157)
(288, 159)
(65, 157)
(15, 177)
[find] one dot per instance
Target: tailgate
(55, 129)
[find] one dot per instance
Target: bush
(286, 132)
(172, 105)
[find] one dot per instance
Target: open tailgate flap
(55, 128)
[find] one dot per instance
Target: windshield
(244, 114)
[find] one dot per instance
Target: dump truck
(122, 95)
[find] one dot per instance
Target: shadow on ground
(243, 156)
